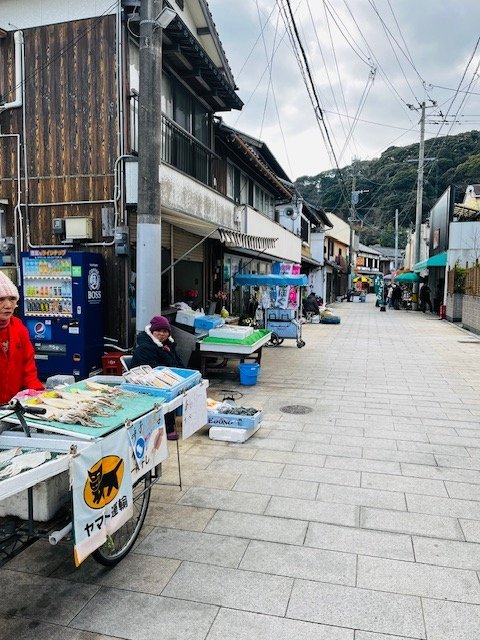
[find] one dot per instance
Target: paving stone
(42, 598)
(146, 616)
(459, 462)
(400, 456)
(328, 449)
(277, 487)
(463, 490)
(444, 506)
(240, 625)
(24, 629)
(362, 464)
(361, 609)
(290, 457)
(226, 500)
(178, 516)
(366, 442)
(410, 523)
(366, 635)
(327, 476)
(361, 496)
(251, 467)
(359, 541)
(199, 478)
(257, 527)
(451, 620)
(225, 551)
(447, 553)
(471, 529)
(315, 511)
(300, 562)
(134, 573)
(233, 588)
(403, 484)
(212, 451)
(413, 578)
(456, 474)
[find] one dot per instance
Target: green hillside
(390, 183)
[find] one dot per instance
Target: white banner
(194, 410)
(102, 492)
(148, 442)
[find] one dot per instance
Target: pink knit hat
(160, 322)
(7, 288)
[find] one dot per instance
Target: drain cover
(296, 408)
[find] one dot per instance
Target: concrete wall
(36, 13)
(454, 307)
(288, 246)
(471, 313)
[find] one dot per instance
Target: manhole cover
(296, 408)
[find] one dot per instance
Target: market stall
(86, 462)
(280, 301)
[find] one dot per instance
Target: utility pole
(396, 240)
(418, 210)
(149, 227)
(353, 220)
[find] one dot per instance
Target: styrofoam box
(187, 317)
(48, 497)
(229, 434)
(234, 421)
(233, 333)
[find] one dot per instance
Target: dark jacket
(311, 304)
(149, 352)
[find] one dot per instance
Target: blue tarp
(270, 280)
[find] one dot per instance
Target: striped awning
(245, 241)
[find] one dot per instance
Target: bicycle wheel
(121, 542)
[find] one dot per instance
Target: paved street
(357, 521)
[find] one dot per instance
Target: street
(356, 519)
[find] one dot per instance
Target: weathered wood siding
(71, 140)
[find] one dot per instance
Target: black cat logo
(104, 480)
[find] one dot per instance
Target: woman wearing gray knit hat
(156, 347)
(18, 370)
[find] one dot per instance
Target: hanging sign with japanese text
(102, 492)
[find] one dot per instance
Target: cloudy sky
(369, 59)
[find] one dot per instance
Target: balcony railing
(179, 149)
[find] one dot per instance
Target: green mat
(252, 338)
(133, 405)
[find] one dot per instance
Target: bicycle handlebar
(17, 407)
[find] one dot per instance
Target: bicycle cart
(90, 484)
(280, 301)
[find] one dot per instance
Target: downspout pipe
(19, 74)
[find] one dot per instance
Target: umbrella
(408, 276)
(362, 279)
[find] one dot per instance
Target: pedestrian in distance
(396, 296)
(390, 294)
(425, 298)
(18, 371)
(156, 347)
(311, 304)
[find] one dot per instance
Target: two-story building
(337, 259)
(70, 82)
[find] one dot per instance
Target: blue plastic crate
(234, 421)
(191, 378)
(208, 322)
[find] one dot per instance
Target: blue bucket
(249, 373)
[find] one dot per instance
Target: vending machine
(61, 302)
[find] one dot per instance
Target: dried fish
(23, 462)
(8, 454)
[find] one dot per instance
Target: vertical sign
(102, 492)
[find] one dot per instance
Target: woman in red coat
(17, 363)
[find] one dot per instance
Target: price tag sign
(194, 410)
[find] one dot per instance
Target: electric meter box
(78, 228)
